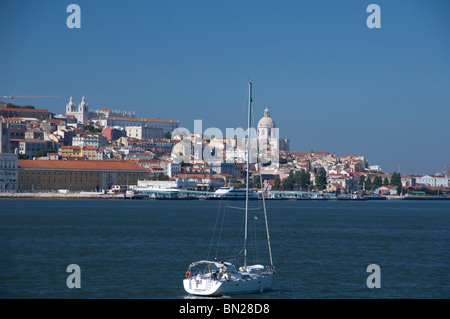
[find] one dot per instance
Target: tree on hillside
(386, 181)
(368, 183)
(362, 180)
(396, 180)
(321, 178)
(276, 182)
(43, 153)
(302, 179)
(288, 183)
(91, 128)
(257, 181)
(13, 106)
(377, 182)
(160, 177)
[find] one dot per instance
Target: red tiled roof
(89, 165)
(145, 119)
(23, 110)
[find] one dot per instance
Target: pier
(206, 195)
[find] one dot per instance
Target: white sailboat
(217, 278)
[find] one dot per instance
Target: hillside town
(108, 151)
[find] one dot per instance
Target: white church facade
(80, 112)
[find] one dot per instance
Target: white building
(267, 132)
(81, 113)
(268, 140)
(8, 172)
(144, 132)
(107, 112)
(172, 169)
(96, 139)
(386, 190)
(179, 183)
(433, 180)
(165, 125)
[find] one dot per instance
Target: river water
(142, 248)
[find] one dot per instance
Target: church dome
(266, 121)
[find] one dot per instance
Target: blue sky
(331, 83)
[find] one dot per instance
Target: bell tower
(83, 111)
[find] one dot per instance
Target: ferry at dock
(232, 193)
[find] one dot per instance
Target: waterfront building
(81, 175)
(204, 182)
(8, 172)
(433, 180)
(386, 190)
(185, 183)
(408, 180)
(342, 178)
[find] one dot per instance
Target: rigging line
(243, 109)
(221, 229)
(263, 197)
(215, 228)
(242, 208)
(255, 245)
(223, 237)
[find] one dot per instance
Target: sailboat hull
(210, 287)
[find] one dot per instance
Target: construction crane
(12, 97)
(444, 171)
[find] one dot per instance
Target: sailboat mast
(248, 171)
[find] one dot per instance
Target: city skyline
(331, 83)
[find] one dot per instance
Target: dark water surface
(142, 248)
